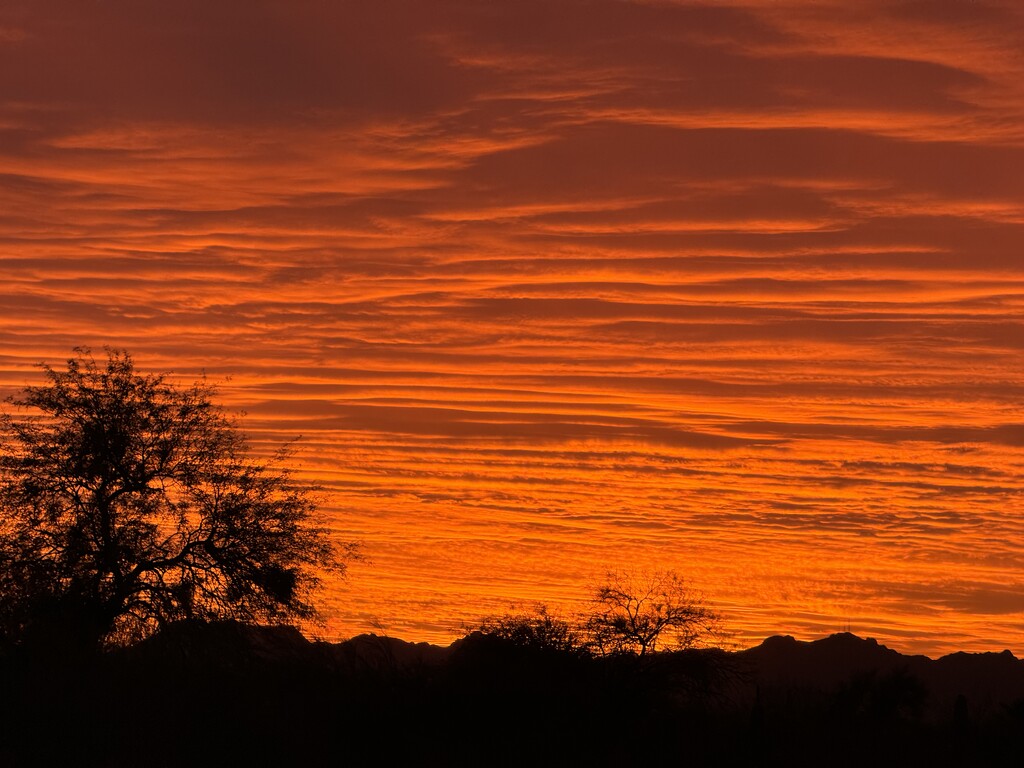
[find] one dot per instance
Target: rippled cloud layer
(548, 288)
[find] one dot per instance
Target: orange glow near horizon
(553, 287)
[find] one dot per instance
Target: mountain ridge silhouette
(987, 679)
(227, 693)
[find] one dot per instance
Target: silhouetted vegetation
(539, 631)
(638, 613)
(225, 693)
(127, 503)
(631, 614)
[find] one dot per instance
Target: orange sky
(556, 286)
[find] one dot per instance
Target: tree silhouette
(634, 614)
(538, 630)
(637, 613)
(127, 502)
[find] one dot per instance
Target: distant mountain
(777, 667)
(987, 680)
(379, 652)
(226, 644)
(227, 693)
(232, 644)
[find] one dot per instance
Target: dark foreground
(228, 694)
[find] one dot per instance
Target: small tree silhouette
(538, 630)
(634, 614)
(638, 613)
(127, 502)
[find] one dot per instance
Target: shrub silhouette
(127, 502)
(540, 631)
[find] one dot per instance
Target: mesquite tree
(127, 502)
(638, 613)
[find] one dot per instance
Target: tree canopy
(127, 502)
(638, 613)
(631, 614)
(539, 630)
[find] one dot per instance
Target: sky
(555, 287)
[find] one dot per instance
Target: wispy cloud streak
(550, 287)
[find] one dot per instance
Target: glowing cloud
(549, 287)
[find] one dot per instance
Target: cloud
(549, 286)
